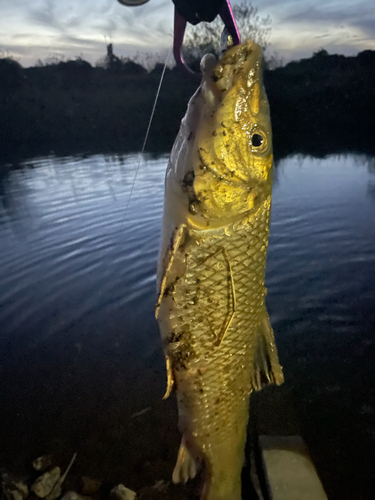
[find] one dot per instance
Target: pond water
(80, 358)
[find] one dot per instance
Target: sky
(41, 29)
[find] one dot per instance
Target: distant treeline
(319, 105)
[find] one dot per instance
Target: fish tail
(223, 464)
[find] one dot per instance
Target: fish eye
(256, 140)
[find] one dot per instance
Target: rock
(22, 488)
(56, 490)
(15, 491)
(45, 483)
(90, 486)
(41, 463)
(120, 492)
(72, 495)
(15, 495)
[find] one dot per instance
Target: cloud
(355, 15)
(330, 12)
(323, 35)
(44, 14)
(367, 25)
(105, 26)
(35, 29)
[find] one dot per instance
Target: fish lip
(240, 65)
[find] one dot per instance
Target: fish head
(232, 157)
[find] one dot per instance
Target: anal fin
(267, 369)
(186, 466)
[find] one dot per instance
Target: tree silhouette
(11, 75)
(205, 37)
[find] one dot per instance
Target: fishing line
(147, 134)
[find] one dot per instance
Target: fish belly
(212, 319)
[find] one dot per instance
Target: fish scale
(218, 404)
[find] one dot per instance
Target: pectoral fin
(267, 369)
(170, 379)
(169, 258)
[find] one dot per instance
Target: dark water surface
(79, 348)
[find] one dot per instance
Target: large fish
(217, 337)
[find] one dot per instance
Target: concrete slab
(290, 473)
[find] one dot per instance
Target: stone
(120, 492)
(45, 483)
(56, 490)
(22, 488)
(72, 495)
(15, 495)
(41, 463)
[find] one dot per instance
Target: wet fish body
(217, 339)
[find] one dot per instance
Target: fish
(217, 338)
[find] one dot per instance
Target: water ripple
(66, 240)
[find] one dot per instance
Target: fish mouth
(241, 65)
(235, 83)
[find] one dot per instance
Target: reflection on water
(66, 240)
(79, 347)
